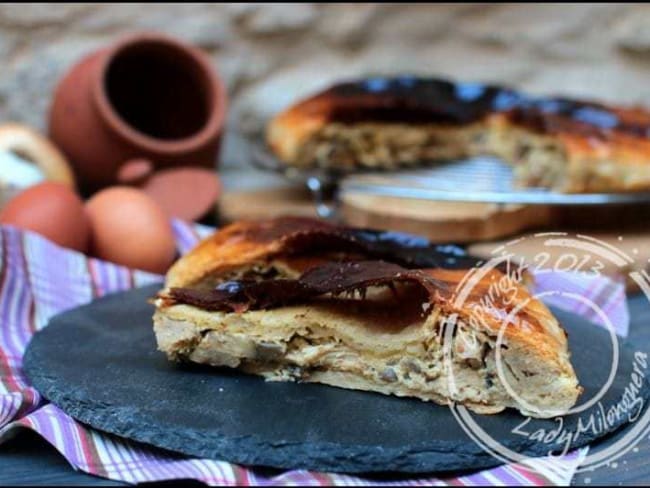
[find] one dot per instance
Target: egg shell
(128, 227)
(52, 210)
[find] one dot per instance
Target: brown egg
(129, 228)
(53, 210)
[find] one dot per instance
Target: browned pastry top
(246, 241)
(429, 100)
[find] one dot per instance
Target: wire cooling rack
(480, 179)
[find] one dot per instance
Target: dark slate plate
(100, 365)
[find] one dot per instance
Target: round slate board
(99, 364)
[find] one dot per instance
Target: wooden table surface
(29, 460)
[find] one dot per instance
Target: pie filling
(539, 161)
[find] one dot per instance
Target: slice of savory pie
(385, 123)
(299, 299)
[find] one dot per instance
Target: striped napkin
(39, 279)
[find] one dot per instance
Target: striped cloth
(39, 279)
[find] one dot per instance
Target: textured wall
(268, 54)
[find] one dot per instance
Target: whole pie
(295, 299)
(385, 123)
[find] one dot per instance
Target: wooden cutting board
(440, 221)
(265, 203)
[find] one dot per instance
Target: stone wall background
(268, 54)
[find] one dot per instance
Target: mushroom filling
(539, 160)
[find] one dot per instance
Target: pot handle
(134, 172)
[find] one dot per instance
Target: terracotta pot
(147, 96)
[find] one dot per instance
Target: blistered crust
(239, 244)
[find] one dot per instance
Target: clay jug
(147, 96)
